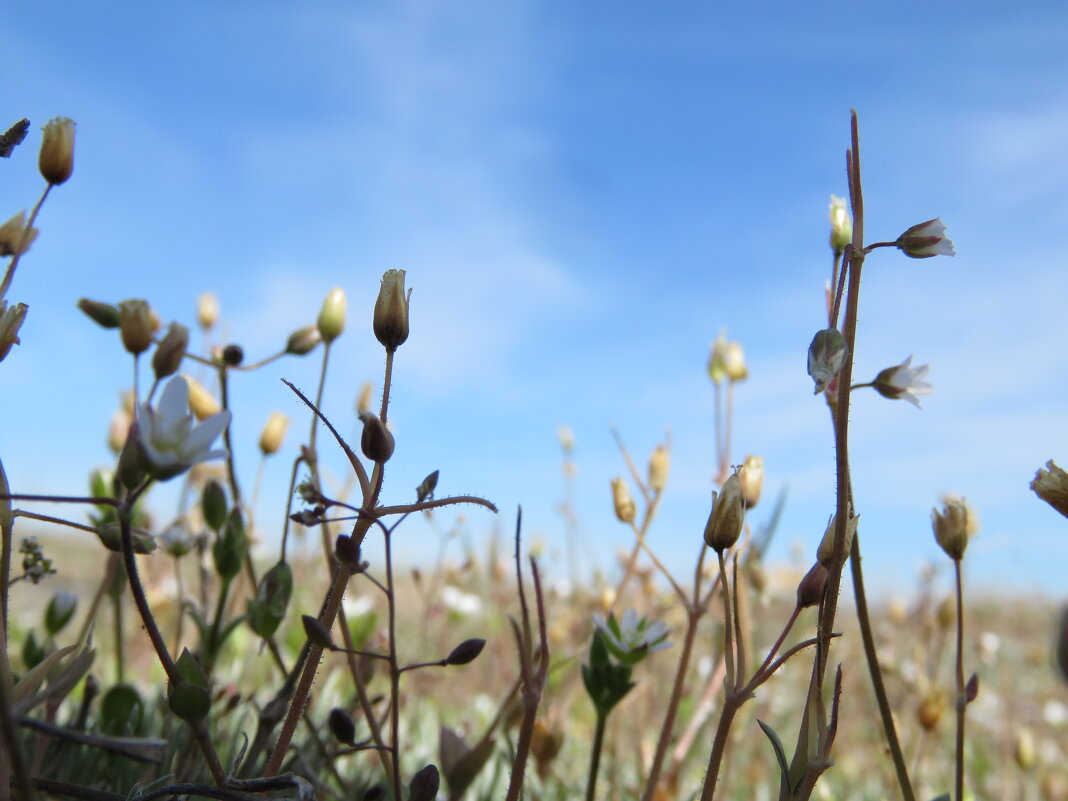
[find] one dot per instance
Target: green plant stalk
(595, 755)
(231, 472)
(731, 704)
(962, 701)
(200, 732)
(120, 656)
(213, 644)
(731, 681)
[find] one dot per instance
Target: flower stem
(962, 701)
(595, 755)
(10, 274)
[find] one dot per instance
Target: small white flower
(170, 441)
(177, 540)
(925, 240)
(459, 601)
(629, 640)
(903, 382)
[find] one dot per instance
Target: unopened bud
(825, 551)
(118, 428)
(303, 340)
(201, 402)
(622, 502)
(135, 325)
(377, 441)
(827, 356)
(391, 310)
(659, 464)
(331, 320)
(14, 238)
(727, 361)
(810, 589)
(728, 513)
(1051, 485)
(1024, 752)
(933, 706)
(841, 224)
(954, 525)
(207, 310)
(341, 726)
(274, 433)
(925, 240)
(56, 160)
(465, 652)
(751, 477)
(170, 351)
(103, 314)
(233, 355)
(132, 467)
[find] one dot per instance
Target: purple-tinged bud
(377, 441)
(391, 310)
(810, 590)
(170, 351)
(826, 357)
(135, 325)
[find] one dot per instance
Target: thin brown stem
(962, 700)
(10, 274)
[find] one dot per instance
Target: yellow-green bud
(1051, 485)
(728, 513)
(1025, 749)
(331, 320)
(841, 224)
(391, 310)
(623, 503)
(135, 325)
(14, 238)
(274, 433)
(954, 525)
(201, 402)
(103, 314)
(751, 477)
(659, 465)
(304, 340)
(207, 310)
(56, 160)
(170, 351)
(825, 551)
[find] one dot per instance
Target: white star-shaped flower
(168, 438)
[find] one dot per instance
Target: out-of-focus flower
(632, 638)
(954, 525)
(391, 310)
(170, 351)
(303, 340)
(11, 318)
(728, 513)
(274, 433)
(56, 160)
(457, 600)
(727, 360)
(177, 540)
(903, 382)
(659, 465)
(170, 442)
(201, 402)
(751, 479)
(827, 356)
(11, 236)
(622, 502)
(331, 320)
(363, 400)
(1051, 485)
(118, 430)
(135, 325)
(825, 551)
(841, 224)
(925, 240)
(207, 310)
(566, 437)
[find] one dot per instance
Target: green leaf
(780, 757)
(121, 710)
(213, 504)
(189, 702)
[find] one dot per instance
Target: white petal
(202, 435)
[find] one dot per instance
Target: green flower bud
(230, 545)
(303, 340)
(213, 504)
(331, 320)
(59, 611)
(391, 310)
(136, 325)
(103, 314)
(268, 608)
(170, 351)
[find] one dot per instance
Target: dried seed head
(954, 525)
(725, 521)
(1051, 485)
(170, 351)
(14, 237)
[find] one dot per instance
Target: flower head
(390, 320)
(56, 159)
(170, 442)
(632, 638)
(903, 382)
(925, 240)
(954, 525)
(1051, 485)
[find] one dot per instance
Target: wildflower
(622, 502)
(727, 360)
(903, 382)
(925, 240)
(11, 318)
(1051, 485)
(826, 357)
(207, 310)
(631, 639)
(170, 442)
(56, 160)
(177, 540)
(751, 480)
(331, 320)
(201, 402)
(391, 310)
(135, 325)
(12, 235)
(841, 224)
(274, 432)
(725, 520)
(954, 525)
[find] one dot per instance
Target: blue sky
(582, 194)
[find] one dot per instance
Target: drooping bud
(810, 589)
(925, 240)
(377, 441)
(728, 513)
(11, 318)
(841, 224)
(954, 525)
(274, 433)
(14, 238)
(331, 320)
(135, 325)
(751, 478)
(170, 351)
(341, 726)
(827, 356)
(56, 160)
(103, 314)
(207, 310)
(391, 310)
(1051, 485)
(825, 551)
(303, 340)
(465, 652)
(622, 502)
(201, 402)
(659, 464)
